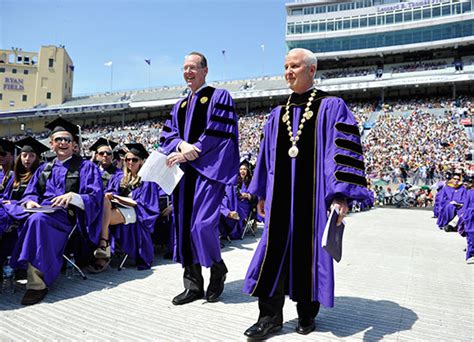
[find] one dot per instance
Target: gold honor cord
(293, 151)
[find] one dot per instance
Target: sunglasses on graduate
(133, 160)
(62, 139)
(104, 153)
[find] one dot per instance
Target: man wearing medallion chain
(310, 156)
(201, 135)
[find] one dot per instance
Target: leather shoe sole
(33, 296)
(187, 296)
(305, 327)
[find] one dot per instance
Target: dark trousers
(272, 307)
(194, 281)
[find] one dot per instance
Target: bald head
(300, 69)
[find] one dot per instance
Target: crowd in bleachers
(348, 72)
(420, 66)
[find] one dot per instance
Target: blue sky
(126, 32)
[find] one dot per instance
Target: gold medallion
(285, 117)
(293, 151)
(204, 99)
(308, 114)
(183, 104)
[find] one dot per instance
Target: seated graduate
(11, 213)
(131, 208)
(451, 201)
(73, 188)
(237, 204)
(7, 151)
(103, 157)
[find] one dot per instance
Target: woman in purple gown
(131, 208)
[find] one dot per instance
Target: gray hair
(309, 57)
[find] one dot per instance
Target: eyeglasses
(190, 68)
(104, 153)
(133, 160)
(62, 139)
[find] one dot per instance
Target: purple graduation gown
(438, 199)
(208, 121)
(136, 238)
(231, 202)
(43, 238)
(447, 211)
(467, 223)
(298, 192)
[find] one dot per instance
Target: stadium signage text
(409, 5)
(13, 84)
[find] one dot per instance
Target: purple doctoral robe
(298, 192)
(447, 210)
(208, 121)
(44, 236)
(136, 238)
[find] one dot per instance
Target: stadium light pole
(263, 59)
(111, 66)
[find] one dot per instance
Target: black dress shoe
(187, 296)
(305, 326)
(215, 289)
(262, 329)
(33, 296)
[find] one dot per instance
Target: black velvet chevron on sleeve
(220, 119)
(224, 107)
(348, 129)
(348, 145)
(219, 134)
(342, 159)
(351, 178)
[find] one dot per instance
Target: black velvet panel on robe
(198, 126)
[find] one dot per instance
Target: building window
(2, 69)
(24, 98)
(12, 103)
(417, 15)
(25, 72)
(13, 71)
(1, 96)
(48, 95)
(51, 63)
(297, 11)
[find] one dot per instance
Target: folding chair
(250, 221)
(68, 260)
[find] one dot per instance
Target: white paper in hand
(156, 170)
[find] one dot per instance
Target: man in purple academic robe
(310, 160)
(451, 201)
(72, 185)
(201, 135)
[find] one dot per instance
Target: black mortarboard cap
(7, 146)
(103, 142)
(62, 125)
(138, 150)
(30, 144)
